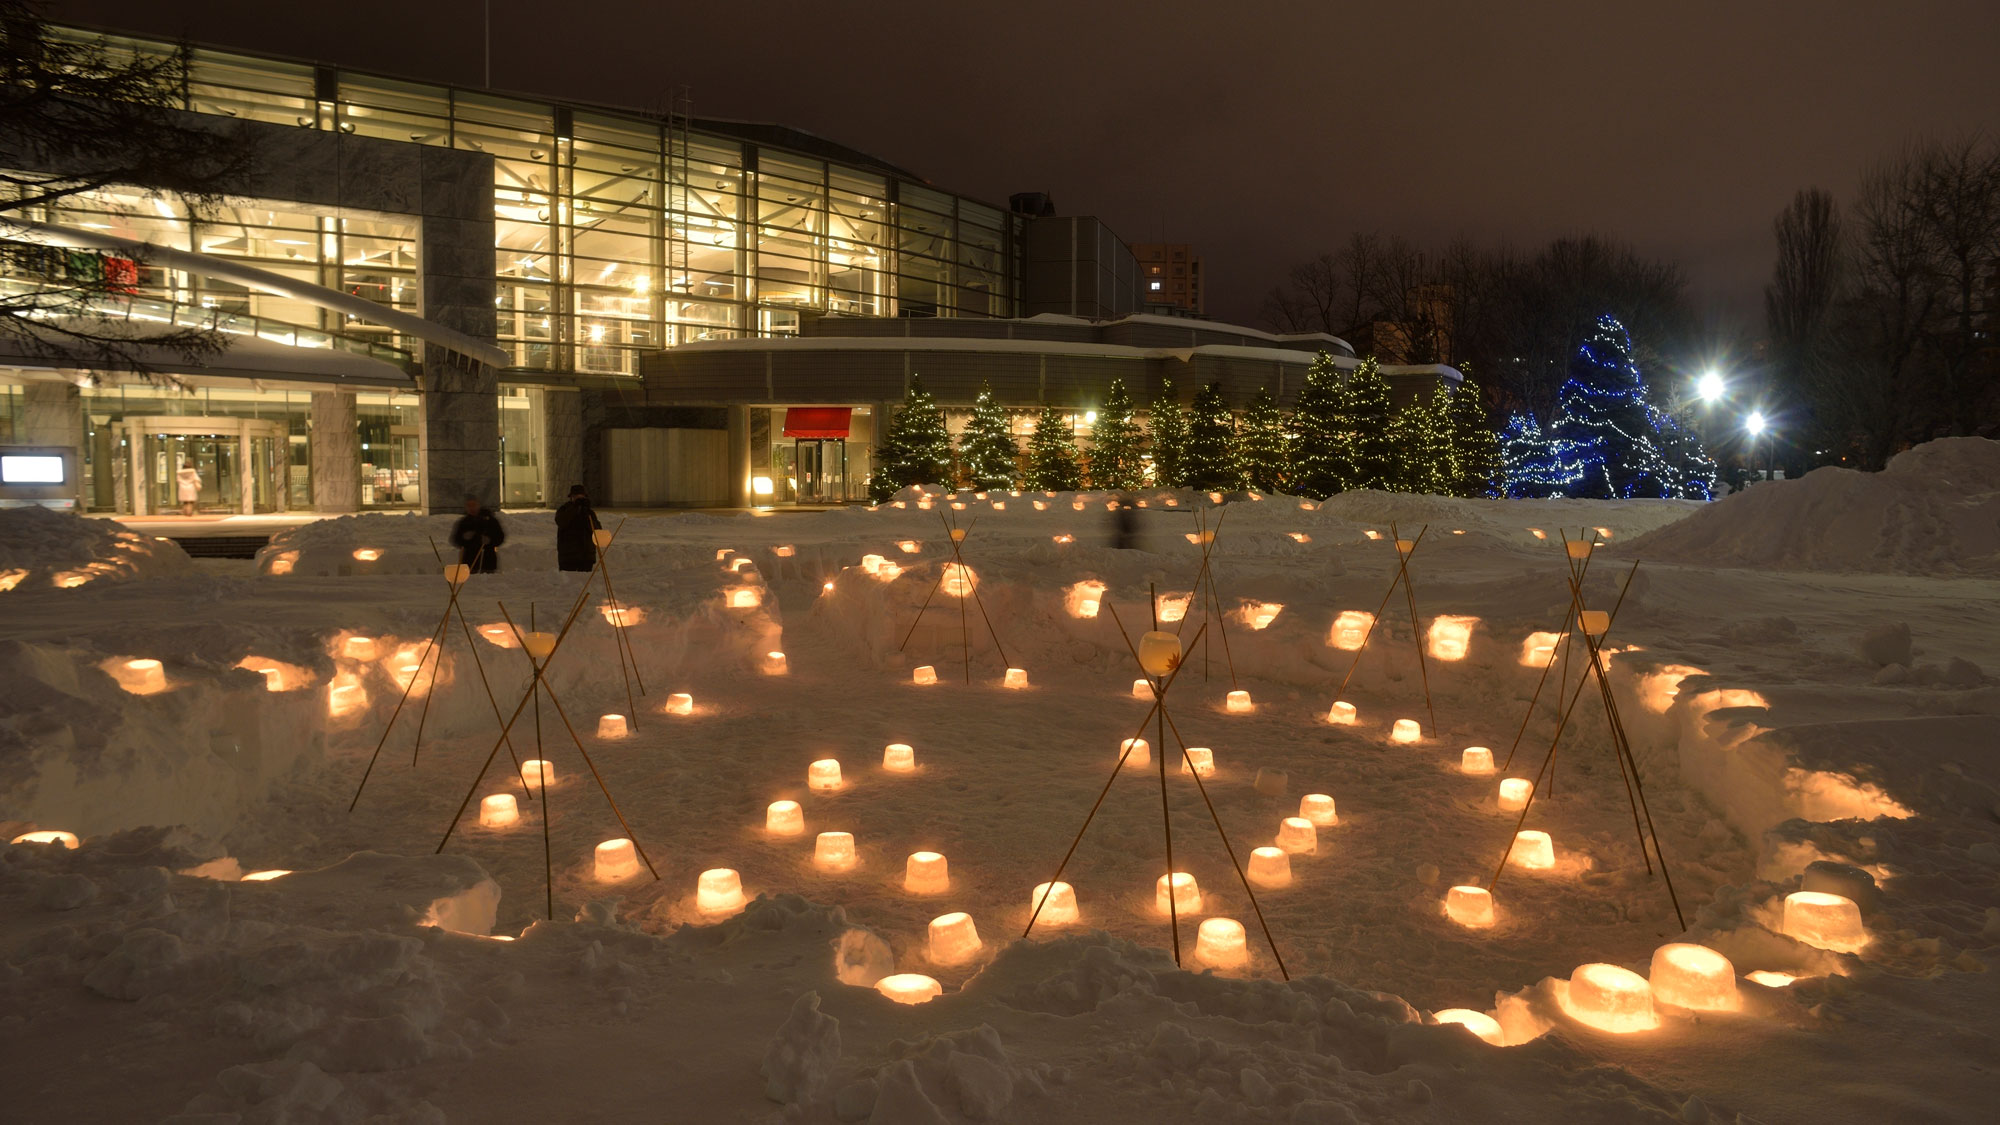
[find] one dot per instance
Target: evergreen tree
(1528, 462)
(1475, 460)
(1609, 441)
(915, 447)
(1209, 460)
(1365, 445)
(1168, 423)
(1318, 468)
(1421, 447)
(1263, 449)
(1114, 442)
(987, 447)
(1052, 462)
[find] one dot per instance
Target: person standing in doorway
(478, 536)
(575, 521)
(187, 485)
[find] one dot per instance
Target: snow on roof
(1043, 347)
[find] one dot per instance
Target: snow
(143, 979)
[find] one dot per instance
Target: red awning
(818, 421)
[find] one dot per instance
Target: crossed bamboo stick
(1402, 578)
(957, 536)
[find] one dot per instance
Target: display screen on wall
(31, 468)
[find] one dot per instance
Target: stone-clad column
(461, 444)
(336, 453)
(562, 444)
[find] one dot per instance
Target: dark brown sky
(1260, 131)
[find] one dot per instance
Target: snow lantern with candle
(1478, 1023)
(1533, 850)
(1136, 753)
(1406, 730)
(498, 811)
(612, 726)
(1476, 760)
(1341, 714)
(1186, 893)
(1199, 761)
(1221, 943)
(47, 836)
(1270, 867)
(1693, 976)
(719, 890)
(1451, 636)
(680, 703)
(899, 757)
(1057, 902)
(909, 988)
(1824, 920)
(775, 664)
(1469, 906)
(954, 939)
(1514, 793)
(784, 818)
(926, 873)
(1238, 703)
(537, 773)
(834, 851)
(823, 775)
(924, 675)
(1142, 689)
(1016, 678)
(1610, 998)
(616, 860)
(1319, 809)
(1297, 836)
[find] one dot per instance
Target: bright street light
(1754, 423)
(1709, 387)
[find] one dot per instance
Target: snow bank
(44, 549)
(1935, 510)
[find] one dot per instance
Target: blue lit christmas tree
(1528, 461)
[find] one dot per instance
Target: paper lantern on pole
(1476, 760)
(1270, 867)
(680, 703)
(1350, 629)
(1341, 714)
(1142, 689)
(600, 537)
(899, 757)
(784, 818)
(1405, 546)
(1693, 976)
(616, 860)
(1136, 753)
(1200, 761)
(834, 851)
(1824, 920)
(958, 533)
(926, 873)
(1406, 730)
(1478, 1023)
(1015, 678)
(1057, 902)
(1319, 809)
(1451, 636)
(1159, 653)
(612, 726)
(498, 811)
(1221, 943)
(457, 573)
(1238, 703)
(924, 675)
(954, 939)
(1594, 621)
(823, 775)
(719, 891)
(1610, 998)
(775, 664)
(1186, 894)
(538, 772)
(1296, 836)
(1578, 548)
(909, 988)
(47, 836)
(1514, 793)
(1471, 907)
(1533, 850)
(539, 644)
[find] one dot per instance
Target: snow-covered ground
(1838, 713)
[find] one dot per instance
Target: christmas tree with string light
(1475, 447)
(1421, 445)
(1114, 442)
(987, 447)
(1318, 468)
(1052, 464)
(1263, 448)
(1364, 445)
(1168, 423)
(1528, 467)
(1209, 462)
(915, 446)
(1609, 441)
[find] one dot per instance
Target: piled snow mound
(40, 548)
(1935, 510)
(401, 544)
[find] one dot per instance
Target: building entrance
(240, 464)
(812, 471)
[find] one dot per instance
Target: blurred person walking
(575, 521)
(478, 536)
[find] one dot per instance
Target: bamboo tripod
(1594, 628)
(1205, 593)
(957, 537)
(1161, 684)
(628, 661)
(1404, 549)
(455, 578)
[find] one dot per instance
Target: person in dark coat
(478, 536)
(1125, 526)
(575, 520)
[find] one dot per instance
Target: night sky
(1260, 132)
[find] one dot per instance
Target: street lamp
(1710, 386)
(1755, 425)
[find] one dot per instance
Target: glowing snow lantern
(680, 703)
(1341, 714)
(958, 579)
(999, 505)
(1476, 760)
(1319, 809)
(1769, 979)
(457, 573)
(1041, 505)
(71, 579)
(824, 774)
(1594, 621)
(1538, 648)
(1350, 629)
(539, 645)
(345, 695)
(774, 663)
(1220, 942)
(1159, 653)
(616, 859)
(870, 564)
(719, 890)
(1186, 894)
(1372, 533)
(1297, 837)
(1533, 850)
(359, 648)
(722, 553)
(1825, 920)
(1270, 867)
(924, 674)
(958, 505)
(784, 551)
(1174, 607)
(907, 546)
(281, 563)
(1238, 703)
(1015, 678)
(1299, 537)
(1693, 976)
(926, 873)
(366, 554)
(1451, 636)
(498, 811)
(1057, 902)
(909, 988)
(47, 836)
(1514, 793)
(743, 597)
(1142, 689)
(899, 757)
(535, 773)
(834, 851)
(142, 677)
(1076, 505)
(1471, 907)
(1136, 753)
(827, 588)
(1259, 615)
(266, 876)
(1200, 761)
(784, 818)
(499, 635)
(1406, 730)
(612, 726)
(622, 616)
(1215, 497)
(954, 939)
(1478, 1023)
(1603, 532)
(1084, 599)
(1610, 998)
(1065, 538)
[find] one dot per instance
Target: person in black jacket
(478, 536)
(575, 520)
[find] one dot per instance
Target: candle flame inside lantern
(1770, 979)
(834, 851)
(909, 988)
(1076, 505)
(1259, 615)
(1538, 533)
(499, 635)
(719, 890)
(1238, 703)
(899, 757)
(266, 876)
(1824, 920)
(954, 940)
(743, 597)
(1610, 998)
(1514, 793)
(1471, 907)
(1372, 533)
(1406, 730)
(1341, 714)
(498, 811)
(1084, 599)
(281, 563)
(1015, 678)
(1693, 976)
(47, 836)
(999, 505)
(367, 554)
(616, 860)
(1186, 894)
(1319, 808)
(1057, 902)
(926, 873)
(537, 772)
(1478, 1023)
(784, 550)
(1476, 760)
(1136, 752)
(623, 616)
(680, 703)
(958, 580)
(784, 818)
(924, 674)
(1533, 850)
(824, 774)
(1451, 636)
(1299, 537)
(612, 726)
(1270, 867)
(358, 648)
(1200, 761)
(1065, 538)
(141, 676)
(1296, 836)
(1350, 629)
(1221, 943)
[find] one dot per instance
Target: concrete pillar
(562, 444)
(52, 414)
(738, 492)
(336, 453)
(461, 442)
